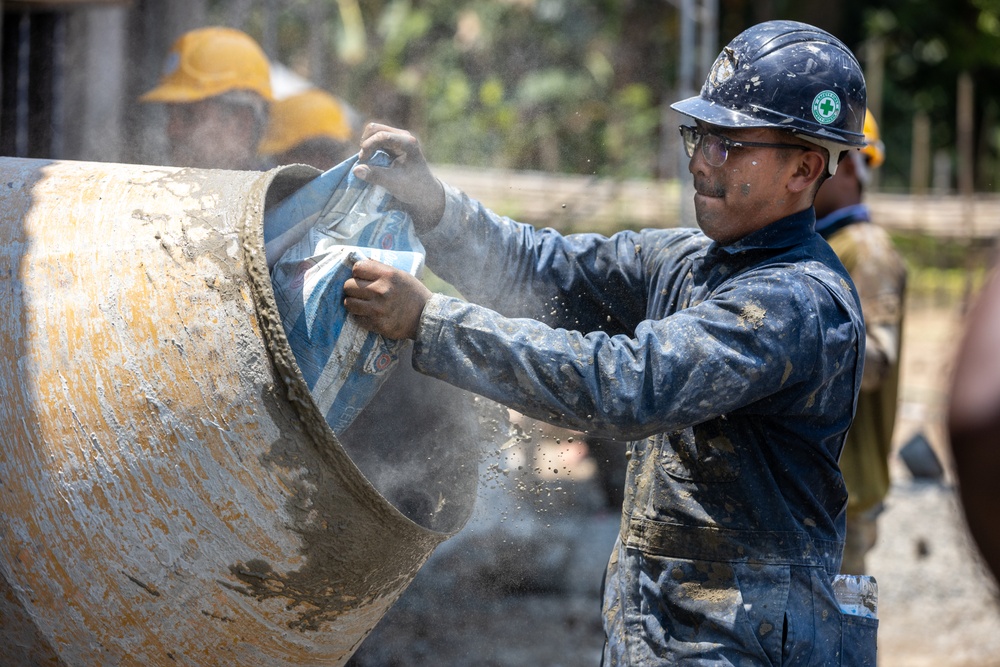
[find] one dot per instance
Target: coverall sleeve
(582, 281)
(745, 343)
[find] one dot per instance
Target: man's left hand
(385, 300)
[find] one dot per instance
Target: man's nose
(697, 164)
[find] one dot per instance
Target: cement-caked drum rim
(270, 188)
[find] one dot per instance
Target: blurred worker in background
(217, 88)
(879, 275)
(974, 422)
(312, 127)
(735, 376)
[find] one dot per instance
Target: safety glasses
(715, 147)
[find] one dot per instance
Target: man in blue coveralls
(730, 356)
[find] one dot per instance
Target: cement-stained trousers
(670, 611)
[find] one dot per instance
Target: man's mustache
(708, 189)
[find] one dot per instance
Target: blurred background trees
(558, 85)
(580, 86)
(574, 86)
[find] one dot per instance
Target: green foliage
(944, 270)
(921, 250)
(929, 43)
(529, 84)
(578, 85)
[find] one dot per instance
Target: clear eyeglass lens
(714, 150)
(712, 147)
(690, 137)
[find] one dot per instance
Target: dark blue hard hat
(786, 75)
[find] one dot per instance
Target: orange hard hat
(874, 149)
(308, 115)
(211, 61)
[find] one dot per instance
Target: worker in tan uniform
(312, 127)
(216, 86)
(879, 274)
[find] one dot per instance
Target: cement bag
(312, 239)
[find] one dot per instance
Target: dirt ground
(520, 585)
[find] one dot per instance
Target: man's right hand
(408, 178)
(385, 300)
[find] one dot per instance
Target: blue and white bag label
(312, 239)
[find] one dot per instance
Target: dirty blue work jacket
(734, 369)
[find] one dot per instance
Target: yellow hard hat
(874, 150)
(211, 61)
(308, 115)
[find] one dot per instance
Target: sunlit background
(556, 112)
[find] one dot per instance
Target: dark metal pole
(685, 89)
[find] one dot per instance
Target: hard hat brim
(715, 114)
(170, 93)
(180, 94)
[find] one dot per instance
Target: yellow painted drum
(169, 493)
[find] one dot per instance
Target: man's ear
(808, 169)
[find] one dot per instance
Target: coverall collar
(784, 233)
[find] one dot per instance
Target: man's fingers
(381, 176)
(386, 300)
(392, 140)
(397, 147)
(364, 283)
(369, 270)
(355, 290)
(357, 306)
(371, 315)
(393, 178)
(374, 128)
(408, 179)
(397, 143)
(363, 274)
